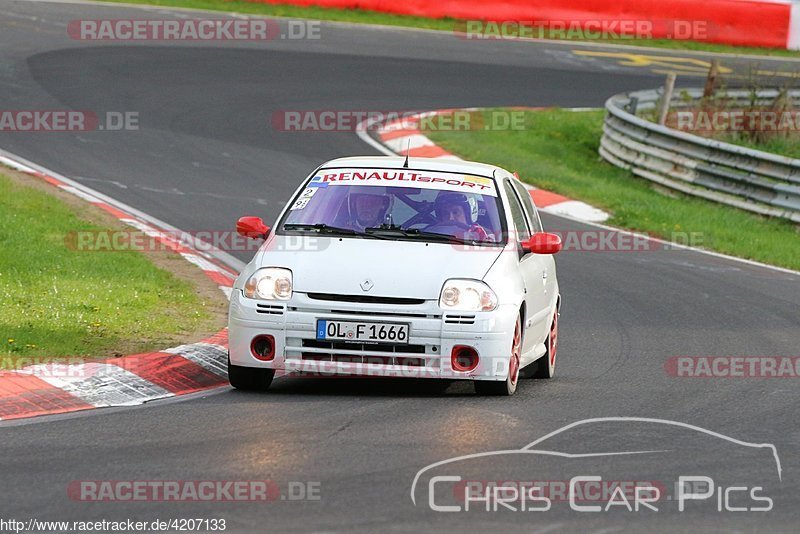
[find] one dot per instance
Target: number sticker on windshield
(304, 199)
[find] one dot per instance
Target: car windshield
(399, 204)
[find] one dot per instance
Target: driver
(456, 214)
(368, 210)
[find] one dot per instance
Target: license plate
(362, 332)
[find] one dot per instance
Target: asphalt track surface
(205, 154)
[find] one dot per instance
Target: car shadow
(367, 387)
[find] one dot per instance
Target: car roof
(414, 163)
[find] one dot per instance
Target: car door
(536, 226)
(533, 269)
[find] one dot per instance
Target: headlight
(467, 295)
(270, 283)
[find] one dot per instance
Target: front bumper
(432, 336)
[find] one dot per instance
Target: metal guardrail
(753, 180)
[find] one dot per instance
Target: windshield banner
(462, 183)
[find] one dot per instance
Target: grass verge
(783, 146)
(445, 24)
(771, 127)
(557, 150)
(56, 301)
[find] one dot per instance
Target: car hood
(409, 269)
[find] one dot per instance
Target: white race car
(438, 270)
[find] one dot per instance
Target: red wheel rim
(513, 369)
(553, 340)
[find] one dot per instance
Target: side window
(517, 213)
(533, 214)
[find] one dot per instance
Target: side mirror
(542, 243)
(252, 227)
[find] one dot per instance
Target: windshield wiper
(322, 228)
(414, 232)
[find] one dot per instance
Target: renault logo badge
(367, 284)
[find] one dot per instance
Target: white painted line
(674, 245)
(78, 193)
(577, 209)
(225, 258)
(400, 144)
(227, 290)
(204, 264)
(406, 123)
(14, 165)
(184, 241)
(142, 227)
(362, 130)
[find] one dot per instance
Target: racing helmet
(368, 206)
(468, 204)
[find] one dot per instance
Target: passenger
(456, 214)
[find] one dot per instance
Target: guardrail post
(666, 98)
(633, 105)
(711, 80)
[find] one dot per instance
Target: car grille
(270, 309)
(361, 313)
(367, 347)
(366, 353)
(365, 299)
(381, 360)
(459, 319)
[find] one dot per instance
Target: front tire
(249, 378)
(509, 386)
